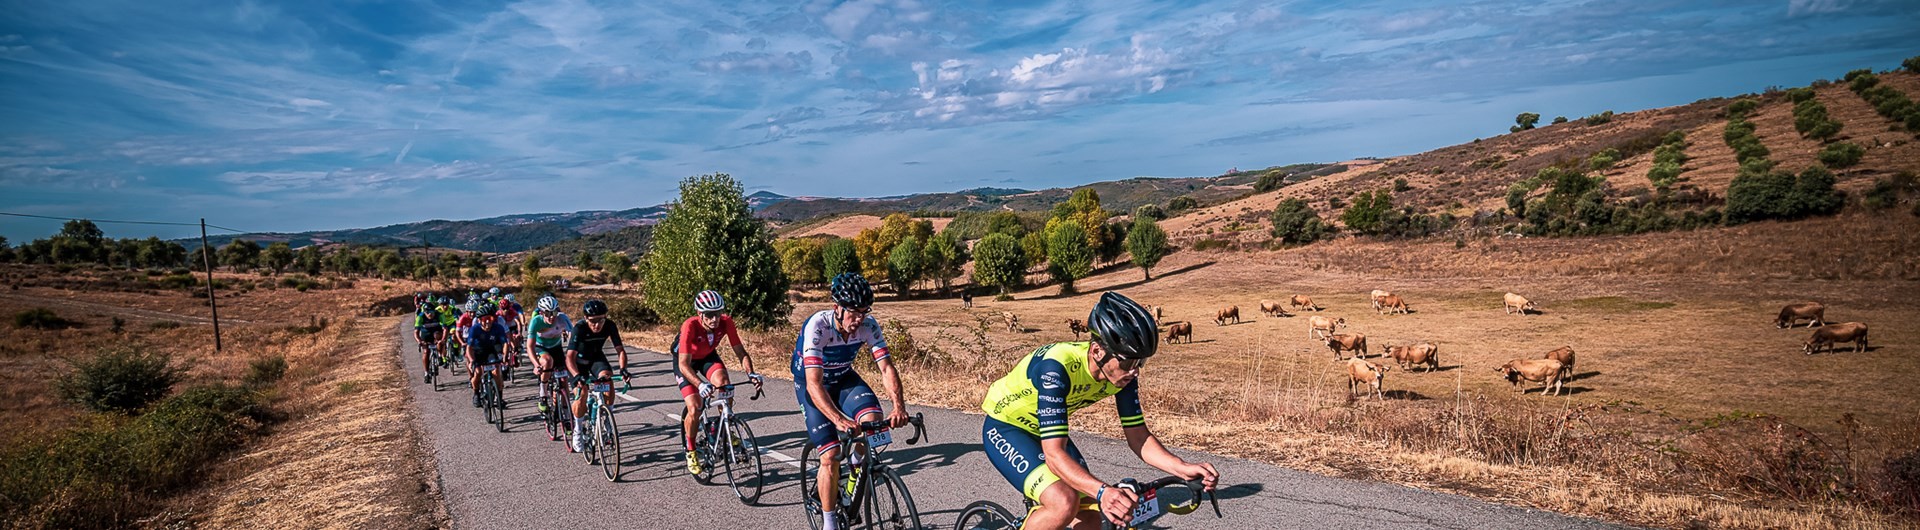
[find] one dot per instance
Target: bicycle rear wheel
(589, 451)
(498, 405)
(888, 505)
(607, 437)
(743, 461)
(985, 515)
(486, 396)
(809, 496)
(706, 444)
(552, 415)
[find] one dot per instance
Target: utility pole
(206, 258)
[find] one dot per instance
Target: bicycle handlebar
(1198, 487)
(917, 421)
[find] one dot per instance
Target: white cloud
(1800, 8)
(307, 103)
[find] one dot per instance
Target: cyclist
(1025, 432)
(833, 396)
(587, 356)
(486, 341)
(428, 328)
(419, 299)
(510, 318)
(697, 356)
(547, 342)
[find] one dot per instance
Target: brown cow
(1300, 301)
(1564, 354)
(1353, 342)
(1854, 332)
(1548, 371)
(1365, 375)
(1013, 322)
(1177, 330)
(1077, 326)
(1390, 304)
(1319, 323)
(1273, 309)
(1814, 312)
(1520, 304)
(1376, 295)
(1230, 313)
(1157, 311)
(1424, 353)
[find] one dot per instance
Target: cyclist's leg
(857, 401)
(424, 336)
(1017, 455)
(690, 396)
(826, 443)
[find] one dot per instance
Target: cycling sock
(856, 458)
(828, 521)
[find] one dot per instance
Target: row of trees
(82, 242)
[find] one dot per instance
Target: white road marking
(791, 461)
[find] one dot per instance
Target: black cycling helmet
(1123, 328)
(488, 309)
(850, 290)
(594, 308)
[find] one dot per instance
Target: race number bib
(880, 439)
(602, 387)
(1147, 509)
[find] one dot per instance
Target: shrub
(1400, 184)
(1269, 181)
(1863, 82)
(266, 370)
(1603, 159)
(122, 379)
(41, 318)
(1181, 203)
(630, 312)
(1884, 194)
(1800, 94)
(1365, 214)
(1524, 121)
(1664, 174)
(1211, 244)
(1740, 107)
(1763, 194)
(1294, 222)
(1841, 154)
(711, 240)
(1912, 64)
(1559, 120)
(1600, 119)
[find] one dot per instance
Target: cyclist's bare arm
(684, 365)
(573, 365)
(1150, 450)
(746, 361)
(895, 391)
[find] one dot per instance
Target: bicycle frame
(859, 488)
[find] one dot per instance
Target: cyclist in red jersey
(697, 356)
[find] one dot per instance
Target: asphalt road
(519, 479)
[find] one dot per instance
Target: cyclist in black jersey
(587, 358)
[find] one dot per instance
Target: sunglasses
(709, 314)
(1128, 365)
(596, 319)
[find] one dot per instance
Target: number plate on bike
(1146, 509)
(602, 387)
(880, 439)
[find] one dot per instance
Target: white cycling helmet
(709, 301)
(548, 303)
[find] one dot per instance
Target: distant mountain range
(520, 232)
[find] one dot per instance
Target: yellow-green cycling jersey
(1052, 383)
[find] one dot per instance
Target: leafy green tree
(1912, 64)
(711, 240)
(1813, 193)
(1365, 214)
(1559, 120)
(6, 251)
(1068, 256)
(1269, 181)
(1181, 204)
(945, 257)
(1524, 121)
(425, 272)
(999, 261)
(1147, 243)
(1757, 194)
(1005, 222)
(585, 262)
(530, 279)
(619, 267)
(240, 255)
(1083, 208)
(905, 265)
(837, 256)
(1034, 247)
(308, 260)
(277, 257)
(801, 260)
(79, 241)
(1149, 211)
(1294, 222)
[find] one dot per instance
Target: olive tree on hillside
(277, 257)
(711, 240)
(1524, 121)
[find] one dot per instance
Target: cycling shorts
(482, 357)
(855, 398)
(594, 368)
(705, 367)
(1018, 456)
(556, 356)
(429, 334)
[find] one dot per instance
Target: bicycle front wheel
(888, 505)
(985, 515)
(810, 497)
(499, 406)
(607, 437)
(743, 461)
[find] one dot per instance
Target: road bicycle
(871, 493)
(724, 440)
(1169, 495)
(431, 351)
(558, 405)
(491, 400)
(603, 435)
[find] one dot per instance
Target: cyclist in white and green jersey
(547, 339)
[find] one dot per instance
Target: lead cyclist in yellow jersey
(1025, 432)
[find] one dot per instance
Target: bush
(1664, 174)
(1149, 211)
(1841, 155)
(1800, 94)
(1181, 204)
(1400, 185)
(122, 379)
(1740, 107)
(711, 240)
(41, 318)
(1559, 120)
(1757, 195)
(631, 313)
(266, 370)
(1294, 222)
(1269, 181)
(1600, 119)
(1211, 244)
(1912, 64)
(1603, 159)
(1365, 214)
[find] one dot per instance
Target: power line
(162, 223)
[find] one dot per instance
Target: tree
(945, 255)
(425, 272)
(1912, 64)
(277, 257)
(838, 256)
(240, 254)
(1559, 120)
(1113, 243)
(1524, 121)
(1068, 256)
(504, 269)
(1181, 204)
(1294, 222)
(6, 251)
(1149, 211)
(710, 239)
(1147, 243)
(619, 267)
(802, 260)
(1034, 247)
(308, 260)
(585, 262)
(1083, 208)
(79, 241)
(1364, 215)
(1005, 222)
(904, 266)
(530, 279)
(999, 261)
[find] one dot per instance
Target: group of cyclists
(1024, 433)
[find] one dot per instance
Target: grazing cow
(1853, 332)
(1519, 304)
(1157, 312)
(1547, 371)
(1424, 353)
(1273, 309)
(1564, 354)
(1319, 323)
(966, 300)
(1300, 301)
(1814, 312)
(1365, 376)
(1353, 342)
(1013, 322)
(1390, 304)
(1077, 326)
(1376, 295)
(1230, 313)
(1177, 330)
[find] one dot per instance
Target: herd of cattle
(1551, 370)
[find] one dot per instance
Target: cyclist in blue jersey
(833, 396)
(486, 348)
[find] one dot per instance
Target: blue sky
(290, 116)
